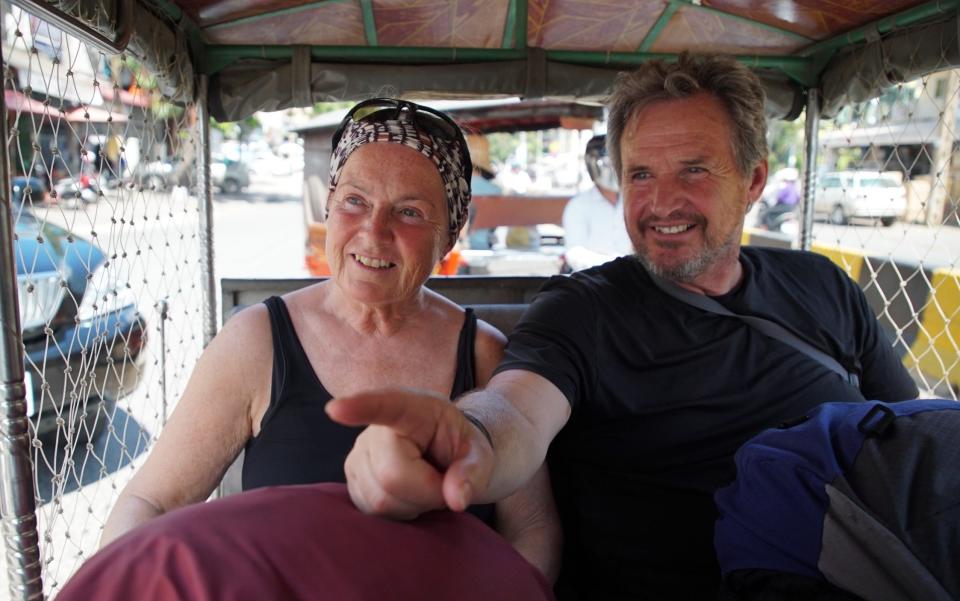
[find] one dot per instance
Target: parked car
(229, 176)
(155, 175)
(28, 191)
(846, 195)
(82, 332)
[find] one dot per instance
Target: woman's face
(388, 223)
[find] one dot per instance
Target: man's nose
(668, 196)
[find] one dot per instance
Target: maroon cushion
(305, 542)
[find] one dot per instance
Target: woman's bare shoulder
(309, 299)
(248, 324)
(438, 305)
(488, 337)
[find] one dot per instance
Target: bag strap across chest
(764, 326)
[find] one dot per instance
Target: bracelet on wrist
(473, 419)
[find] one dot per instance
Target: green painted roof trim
(658, 27)
(369, 23)
(221, 56)
(521, 27)
(509, 25)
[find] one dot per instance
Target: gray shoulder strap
(765, 326)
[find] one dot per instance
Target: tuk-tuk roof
(274, 54)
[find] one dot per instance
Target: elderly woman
(398, 197)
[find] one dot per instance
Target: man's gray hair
(729, 81)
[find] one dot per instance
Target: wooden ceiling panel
(817, 19)
(440, 23)
(706, 31)
(605, 25)
(334, 24)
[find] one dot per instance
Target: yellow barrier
(846, 259)
(936, 349)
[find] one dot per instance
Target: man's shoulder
(597, 293)
(619, 276)
(785, 258)
(800, 272)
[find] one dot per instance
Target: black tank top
(298, 443)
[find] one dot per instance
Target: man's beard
(692, 268)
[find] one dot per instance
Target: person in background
(482, 184)
(399, 193)
(642, 398)
(593, 226)
(789, 193)
(786, 200)
(515, 179)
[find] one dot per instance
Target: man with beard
(642, 399)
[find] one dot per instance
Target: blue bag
(854, 501)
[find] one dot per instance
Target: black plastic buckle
(875, 429)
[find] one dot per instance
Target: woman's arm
(211, 423)
(528, 518)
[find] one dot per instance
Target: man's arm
(523, 411)
(529, 520)
(420, 453)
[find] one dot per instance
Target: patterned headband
(445, 154)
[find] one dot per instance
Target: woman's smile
(372, 262)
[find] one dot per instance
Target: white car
(846, 195)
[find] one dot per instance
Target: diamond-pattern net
(107, 249)
(886, 209)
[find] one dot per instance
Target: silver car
(846, 195)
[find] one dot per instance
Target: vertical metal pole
(811, 142)
(164, 307)
(17, 504)
(206, 227)
(205, 198)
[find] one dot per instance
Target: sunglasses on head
(425, 118)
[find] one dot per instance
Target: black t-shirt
(663, 394)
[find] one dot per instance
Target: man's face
(684, 197)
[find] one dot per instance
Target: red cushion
(305, 542)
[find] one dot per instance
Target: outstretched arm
(420, 453)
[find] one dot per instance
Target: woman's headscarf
(447, 155)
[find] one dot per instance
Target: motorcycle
(779, 218)
(84, 188)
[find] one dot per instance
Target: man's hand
(418, 454)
